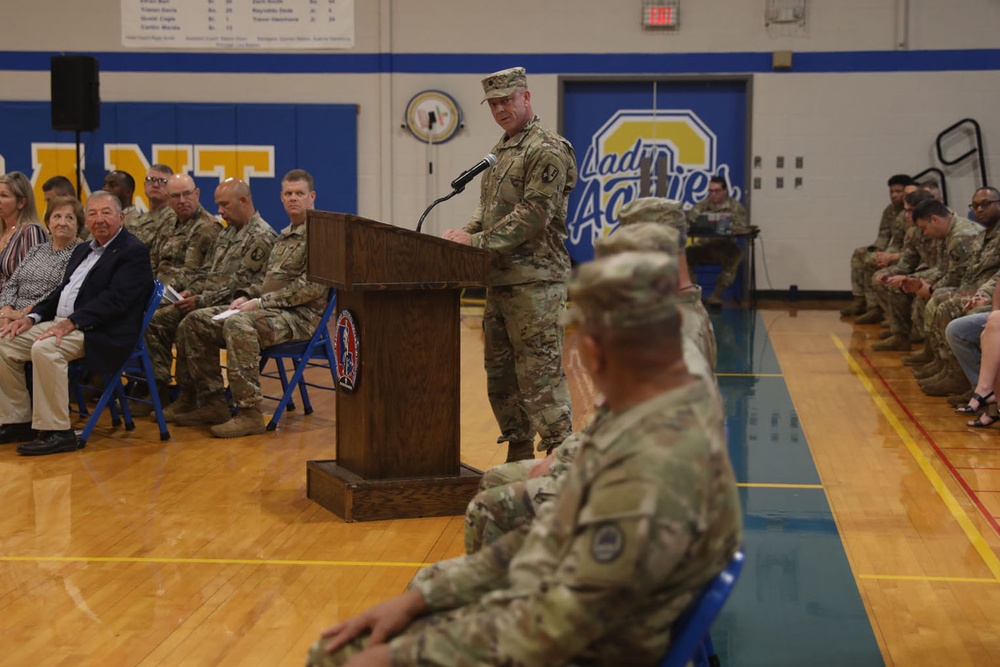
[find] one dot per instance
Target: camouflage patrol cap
(653, 209)
(503, 83)
(624, 290)
(640, 237)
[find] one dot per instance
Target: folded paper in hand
(170, 295)
(226, 313)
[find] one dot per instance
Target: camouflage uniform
(521, 221)
(981, 270)
(149, 227)
(860, 255)
(131, 214)
(182, 252)
(920, 257)
(727, 253)
(647, 514)
(290, 310)
(963, 246)
(509, 498)
(239, 259)
(696, 321)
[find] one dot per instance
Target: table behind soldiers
(748, 241)
(398, 419)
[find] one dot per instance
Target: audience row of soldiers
(927, 269)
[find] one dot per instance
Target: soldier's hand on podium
(458, 236)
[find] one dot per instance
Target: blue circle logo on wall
(348, 347)
(433, 116)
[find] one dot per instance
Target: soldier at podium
(521, 221)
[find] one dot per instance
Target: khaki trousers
(50, 380)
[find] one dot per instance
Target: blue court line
(741, 62)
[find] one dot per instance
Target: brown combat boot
(882, 335)
(893, 344)
(945, 383)
(961, 399)
(857, 307)
(186, 402)
(928, 370)
(248, 421)
(873, 316)
(520, 451)
(920, 357)
(146, 408)
(215, 411)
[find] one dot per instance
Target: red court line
(992, 520)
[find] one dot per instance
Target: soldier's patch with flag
(348, 347)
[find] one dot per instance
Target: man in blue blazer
(96, 312)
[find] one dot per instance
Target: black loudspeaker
(76, 95)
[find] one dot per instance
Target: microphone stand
(435, 203)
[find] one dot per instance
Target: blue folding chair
(302, 354)
(136, 367)
(689, 639)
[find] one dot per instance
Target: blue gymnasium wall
(257, 142)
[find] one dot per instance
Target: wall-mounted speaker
(76, 95)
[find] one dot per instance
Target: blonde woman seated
(20, 229)
(42, 269)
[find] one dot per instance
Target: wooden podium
(398, 431)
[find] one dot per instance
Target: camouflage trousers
(860, 258)
(160, 338)
(199, 339)
(904, 311)
(940, 312)
(525, 380)
(727, 253)
(507, 499)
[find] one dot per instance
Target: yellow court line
(970, 530)
(749, 375)
(205, 561)
(907, 577)
(765, 485)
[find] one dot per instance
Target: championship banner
(697, 130)
(256, 142)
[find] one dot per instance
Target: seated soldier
(511, 493)
(866, 255)
(285, 307)
(727, 253)
(647, 515)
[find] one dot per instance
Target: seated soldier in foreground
(647, 515)
(510, 493)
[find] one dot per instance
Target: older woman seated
(21, 230)
(42, 269)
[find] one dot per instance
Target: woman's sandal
(981, 402)
(990, 416)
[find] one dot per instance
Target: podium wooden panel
(398, 436)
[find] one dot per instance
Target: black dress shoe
(51, 442)
(17, 433)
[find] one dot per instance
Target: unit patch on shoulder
(608, 543)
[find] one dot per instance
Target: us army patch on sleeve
(608, 543)
(550, 173)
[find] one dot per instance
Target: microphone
(466, 176)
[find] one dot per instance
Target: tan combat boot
(215, 411)
(894, 343)
(248, 421)
(520, 451)
(186, 402)
(857, 307)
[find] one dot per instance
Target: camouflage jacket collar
(623, 421)
(510, 142)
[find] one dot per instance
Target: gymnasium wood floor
(871, 515)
